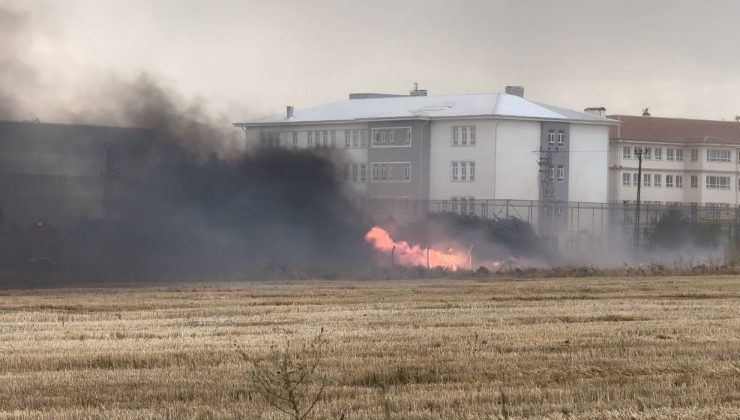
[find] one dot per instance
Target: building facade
(463, 148)
(684, 161)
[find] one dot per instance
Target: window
(295, 139)
(363, 139)
(626, 152)
(347, 139)
(718, 155)
(355, 139)
(463, 135)
(647, 180)
(363, 172)
(647, 153)
(657, 180)
(561, 138)
(669, 154)
(407, 171)
(694, 155)
(560, 172)
(325, 138)
(391, 137)
(310, 139)
(718, 182)
(679, 155)
(658, 153)
(355, 173)
(669, 180)
(466, 205)
(626, 179)
(463, 171)
(635, 179)
(694, 181)
(551, 137)
(333, 138)
(679, 181)
(386, 171)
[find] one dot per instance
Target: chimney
(646, 112)
(599, 111)
(289, 112)
(515, 90)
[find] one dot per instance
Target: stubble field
(554, 348)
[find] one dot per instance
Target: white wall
(513, 174)
(589, 163)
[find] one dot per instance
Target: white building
(462, 147)
(685, 161)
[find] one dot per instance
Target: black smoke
(200, 203)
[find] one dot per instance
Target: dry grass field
(557, 348)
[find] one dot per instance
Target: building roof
(674, 130)
(498, 105)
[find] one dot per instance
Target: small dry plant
(288, 378)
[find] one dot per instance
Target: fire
(415, 255)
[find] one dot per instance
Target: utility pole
(638, 153)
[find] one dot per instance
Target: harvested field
(665, 347)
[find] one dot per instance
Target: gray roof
(496, 105)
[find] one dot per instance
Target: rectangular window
(363, 172)
(658, 180)
(560, 173)
(551, 137)
(647, 180)
(669, 180)
(694, 155)
(355, 139)
(347, 139)
(679, 181)
(471, 171)
(455, 135)
(626, 152)
(626, 179)
(561, 138)
(391, 137)
(325, 138)
(471, 141)
(455, 169)
(333, 138)
(658, 153)
(295, 139)
(718, 182)
(647, 153)
(669, 154)
(407, 171)
(464, 136)
(694, 181)
(463, 171)
(310, 139)
(355, 172)
(679, 155)
(719, 155)
(635, 179)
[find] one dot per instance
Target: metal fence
(573, 224)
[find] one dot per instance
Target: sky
(246, 59)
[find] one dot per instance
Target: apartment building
(685, 161)
(461, 147)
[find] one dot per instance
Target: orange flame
(414, 255)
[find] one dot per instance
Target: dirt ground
(601, 348)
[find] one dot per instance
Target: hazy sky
(249, 58)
